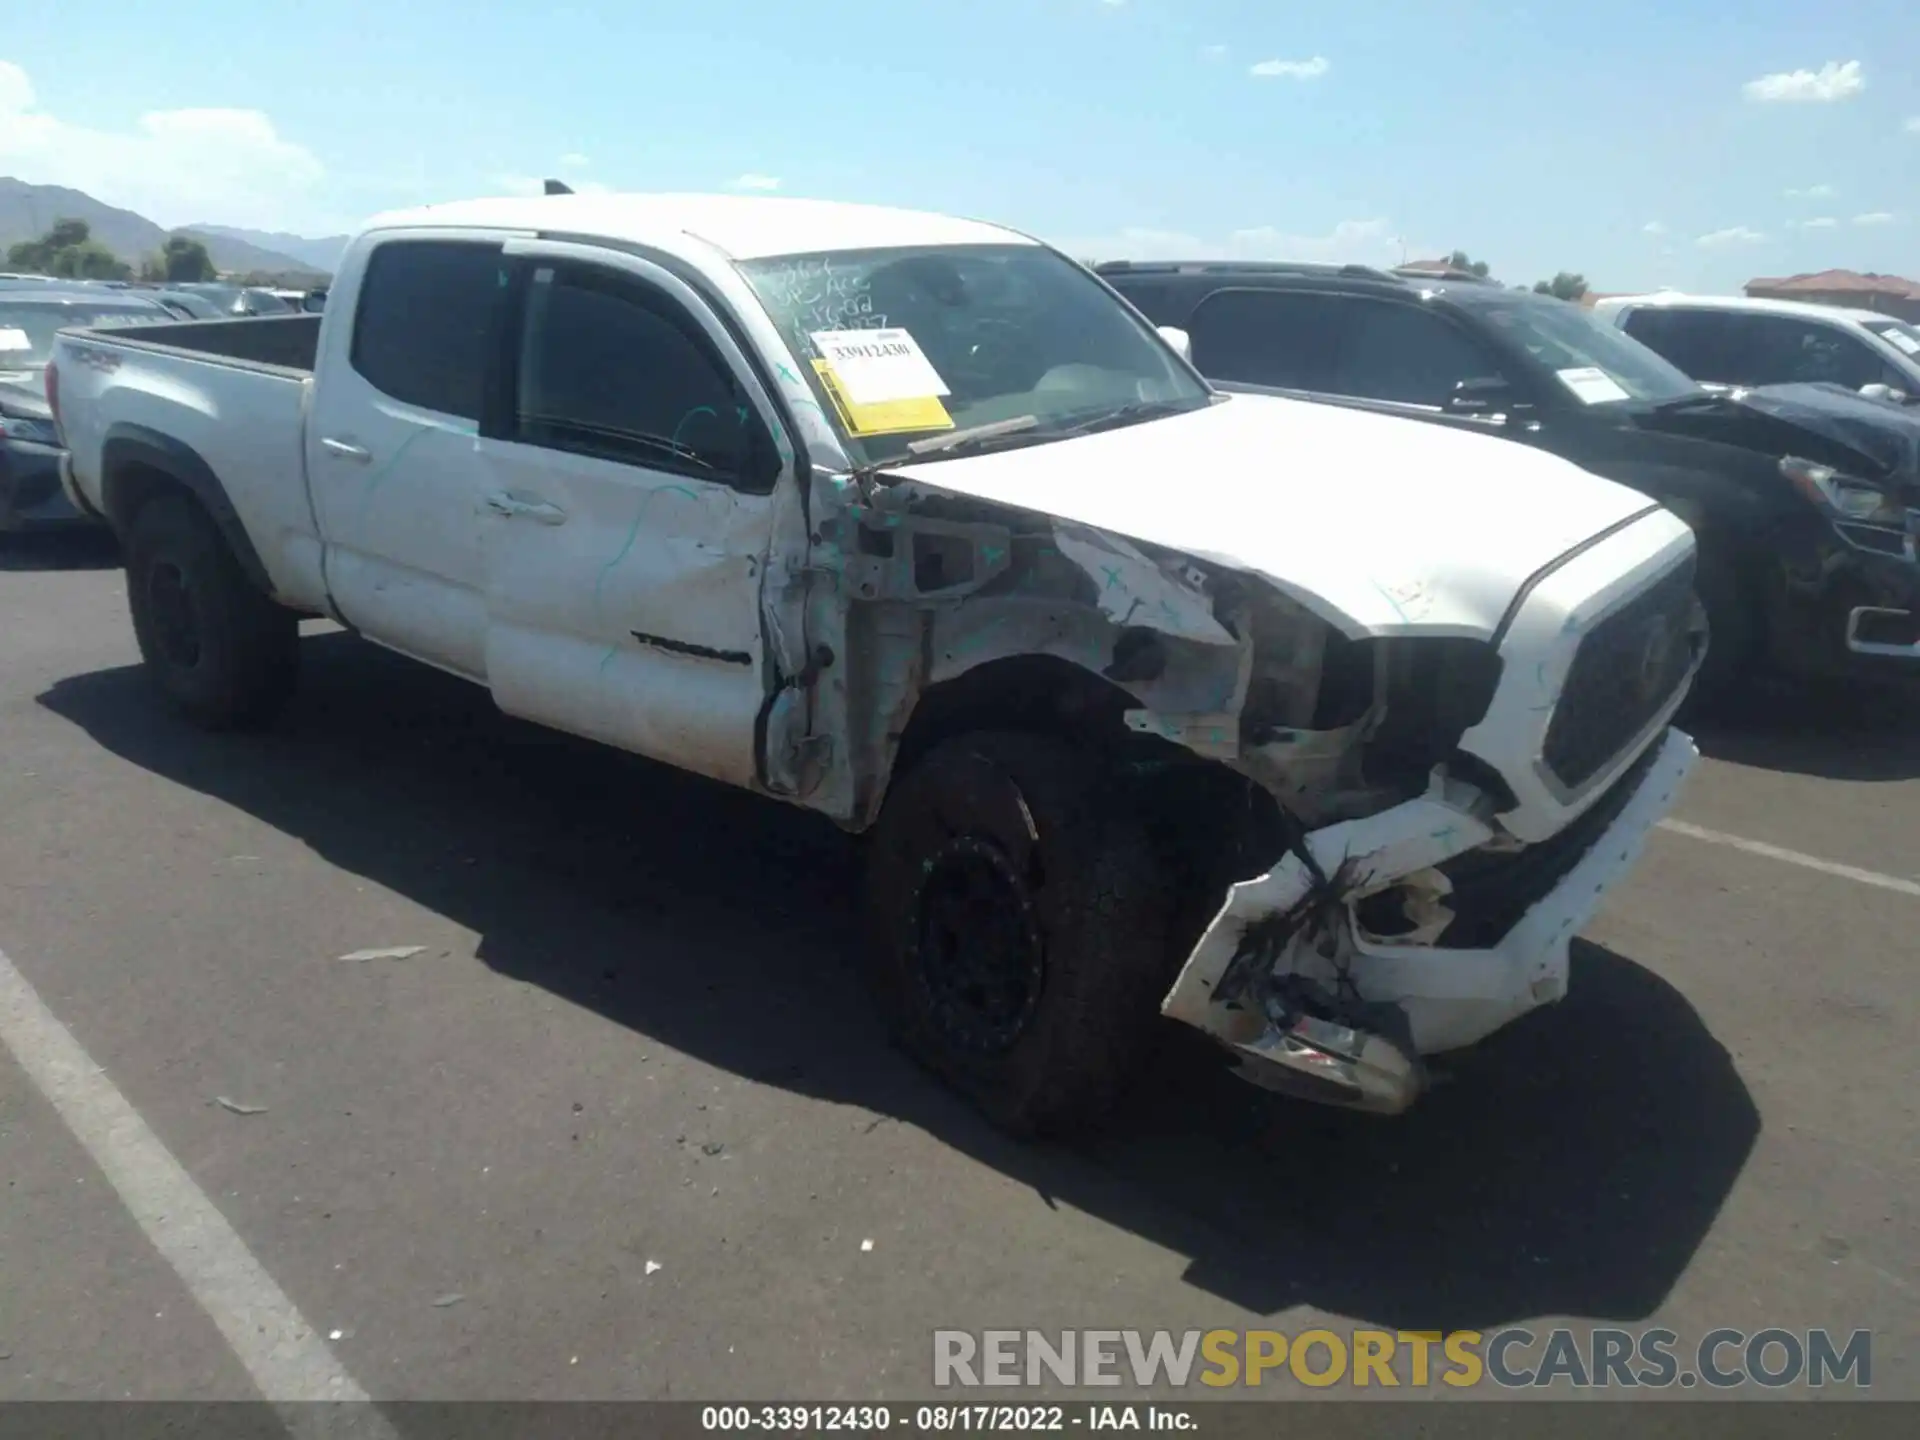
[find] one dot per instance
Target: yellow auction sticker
(882, 417)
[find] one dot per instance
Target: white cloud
(1835, 80)
(1734, 235)
(1912, 127)
(1873, 217)
(1812, 192)
(1823, 222)
(1292, 69)
(176, 167)
(1219, 52)
(754, 181)
(1365, 242)
(574, 160)
(1653, 227)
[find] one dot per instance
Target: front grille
(1625, 671)
(1492, 891)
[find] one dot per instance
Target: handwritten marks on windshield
(812, 294)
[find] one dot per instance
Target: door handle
(342, 450)
(515, 509)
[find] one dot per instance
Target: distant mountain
(322, 254)
(234, 255)
(28, 211)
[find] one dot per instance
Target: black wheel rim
(176, 619)
(977, 947)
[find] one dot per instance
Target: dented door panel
(634, 617)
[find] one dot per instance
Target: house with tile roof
(1887, 294)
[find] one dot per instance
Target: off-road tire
(1733, 634)
(1097, 901)
(220, 652)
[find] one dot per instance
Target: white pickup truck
(1319, 731)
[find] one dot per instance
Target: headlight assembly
(1843, 496)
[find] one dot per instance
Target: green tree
(89, 260)
(1564, 286)
(32, 256)
(1460, 260)
(66, 234)
(68, 250)
(186, 260)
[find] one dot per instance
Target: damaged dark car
(1805, 498)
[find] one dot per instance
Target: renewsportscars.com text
(1511, 1358)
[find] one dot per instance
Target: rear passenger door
(629, 512)
(391, 444)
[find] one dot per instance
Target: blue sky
(1674, 143)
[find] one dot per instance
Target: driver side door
(627, 514)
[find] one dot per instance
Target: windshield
(1596, 362)
(27, 329)
(902, 345)
(197, 306)
(227, 297)
(1903, 337)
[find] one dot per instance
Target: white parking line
(1794, 857)
(286, 1358)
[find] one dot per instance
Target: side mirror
(1480, 394)
(1884, 392)
(1179, 340)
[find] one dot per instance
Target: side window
(1286, 339)
(420, 331)
(1694, 340)
(1154, 299)
(1823, 354)
(1402, 353)
(611, 367)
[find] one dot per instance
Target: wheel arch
(138, 463)
(1202, 807)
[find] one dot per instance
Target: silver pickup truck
(1319, 731)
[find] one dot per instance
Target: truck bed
(282, 343)
(222, 400)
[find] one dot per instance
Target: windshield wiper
(1131, 413)
(1699, 400)
(1021, 429)
(976, 438)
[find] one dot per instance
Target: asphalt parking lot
(623, 1126)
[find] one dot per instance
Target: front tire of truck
(1021, 929)
(221, 653)
(1732, 638)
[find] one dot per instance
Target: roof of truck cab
(744, 227)
(1748, 304)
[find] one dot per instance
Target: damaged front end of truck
(1405, 823)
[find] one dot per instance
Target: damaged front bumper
(1291, 981)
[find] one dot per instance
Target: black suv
(1806, 517)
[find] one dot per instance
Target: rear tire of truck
(1021, 930)
(221, 653)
